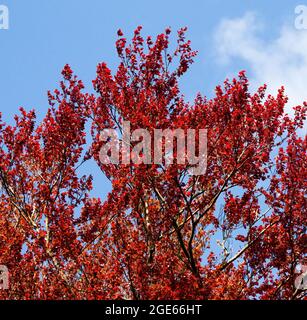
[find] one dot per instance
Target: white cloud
(282, 61)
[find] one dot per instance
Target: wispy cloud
(281, 61)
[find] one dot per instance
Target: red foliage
(154, 237)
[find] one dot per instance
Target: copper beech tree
(236, 232)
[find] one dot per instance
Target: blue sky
(255, 35)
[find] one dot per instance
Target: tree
(155, 235)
